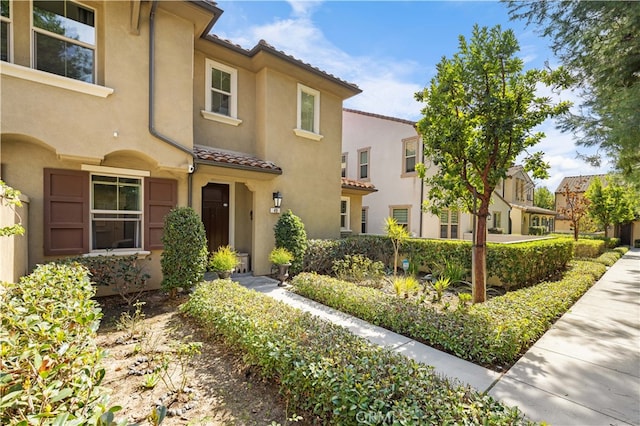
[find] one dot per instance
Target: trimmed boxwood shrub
(588, 248)
(290, 234)
(334, 377)
(185, 255)
(494, 333)
(611, 256)
(50, 371)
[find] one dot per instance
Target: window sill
(408, 175)
(308, 135)
(225, 119)
(141, 253)
(54, 80)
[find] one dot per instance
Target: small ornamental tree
(480, 114)
(397, 233)
(290, 234)
(184, 259)
(575, 208)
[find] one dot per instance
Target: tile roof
(384, 117)
(266, 47)
(578, 183)
(234, 160)
(356, 184)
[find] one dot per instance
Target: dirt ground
(220, 390)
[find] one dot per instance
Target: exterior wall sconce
(277, 201)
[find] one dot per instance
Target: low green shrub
(126, 274)
(359, 269)
(495, 230)
(588, 248)
(494, 333)
(50, 371)
(330, 375)
(610, 257)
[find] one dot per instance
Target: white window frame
(232, 118)
(93, 47)
(9, 21)
(405, 142)
(122, 173)
(497, 219)
(315, 134)
(346, 214)
(449, 223)
(368, 164)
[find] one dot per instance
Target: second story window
(64, 39)
(308, 112)
(5, 30)
(221, 96)
(410, 149)
(343, 161)
(363, 164)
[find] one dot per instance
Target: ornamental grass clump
(327, 374)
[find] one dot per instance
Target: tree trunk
(480, 256)
(606, 231)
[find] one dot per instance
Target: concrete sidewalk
(584, 371)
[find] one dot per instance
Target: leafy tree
(611, 204)
(598, 41)
(575, 207)
(478, 115)
(397, 233)
(544, 198)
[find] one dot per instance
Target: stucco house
(384, 150)
(114, 112)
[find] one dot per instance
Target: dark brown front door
(215, 214)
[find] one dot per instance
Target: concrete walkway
(584, 371)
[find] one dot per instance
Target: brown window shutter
(160, 196)
(66, 212)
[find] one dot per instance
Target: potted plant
(223, 261)
(281, 257)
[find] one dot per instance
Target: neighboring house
(384, 151)
(517, 191)
(114, 112)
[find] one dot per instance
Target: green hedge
(494, 333)
(515, 265)
(611, 256)
(50, 371)
(588, 248)
(332, 376)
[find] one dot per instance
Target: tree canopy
(599, 43)
(478, 115)
(544, 198)
(611, 204)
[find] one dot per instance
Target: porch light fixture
(489, 217)
(277, 201)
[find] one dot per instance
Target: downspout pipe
(152, 78)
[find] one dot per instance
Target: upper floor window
(363, 164)
(344, 214)
(221, 96)
(64, 39)
(308, 113)
(410, 149)
(343, 162)
(5, 30)
(116, 212)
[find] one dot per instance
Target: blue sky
(390, 49)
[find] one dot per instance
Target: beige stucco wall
(13, 248)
